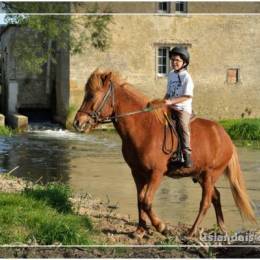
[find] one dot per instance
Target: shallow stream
(94, 164)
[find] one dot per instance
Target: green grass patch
(54, 194)
(36, 216)
(243, 129)
(6, 131)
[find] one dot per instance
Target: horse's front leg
(141, 187)
(153, 184)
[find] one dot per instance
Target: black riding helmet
(184, 54)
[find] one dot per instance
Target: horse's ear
(105, 75)
(109, 76)
(97, 71)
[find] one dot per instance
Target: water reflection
(93, 163)
(36, 158)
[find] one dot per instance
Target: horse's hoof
(191, 234)
(161, 227)
(138, 234)
(223, 230)
(166, 232)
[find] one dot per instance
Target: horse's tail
(238, 188)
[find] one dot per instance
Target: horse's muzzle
(79, 127)
(82, 127)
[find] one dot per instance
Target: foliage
(169, 241)
(71, 112)
(6, 131)
(169, 244)
(24, 218)
(246, 129)
(56, 31)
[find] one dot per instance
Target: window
(181, 7)
(163, 64)
(163, 7)
(232, 76)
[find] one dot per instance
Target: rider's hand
(156, 103)
(168, 102)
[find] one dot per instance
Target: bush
(6, 131)
(242, 129)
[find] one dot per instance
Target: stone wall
(152, 7)
(62, 86)
(33, 91)
(216, 43)
(31, 88)
(224, 7)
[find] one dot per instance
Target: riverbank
(114, 230)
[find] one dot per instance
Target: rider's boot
(187, 160)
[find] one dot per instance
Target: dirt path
(115, 231)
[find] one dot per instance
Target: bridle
(97, 119)
(96, 115)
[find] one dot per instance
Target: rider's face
(177, 62)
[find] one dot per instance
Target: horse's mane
(161, 113)
(94, 83)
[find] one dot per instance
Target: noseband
(95, 115)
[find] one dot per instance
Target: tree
(48, 27)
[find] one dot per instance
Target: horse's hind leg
(217, 205)
(207, 191)
(153, 185)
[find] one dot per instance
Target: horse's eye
(88, 96)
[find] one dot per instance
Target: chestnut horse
(144, 138)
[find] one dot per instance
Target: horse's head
(97, 104)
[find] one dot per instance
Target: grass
(6, 131)
(54, 194)
(243, 129)
(172, 242)
(42, 215)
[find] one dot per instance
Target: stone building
(222, 38)
(23, 93)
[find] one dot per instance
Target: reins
(110, 119)
(95, 115)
